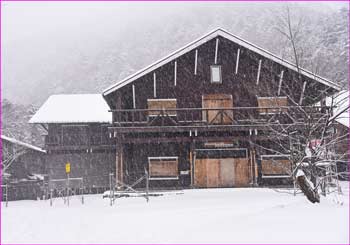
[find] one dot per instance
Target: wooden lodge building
(191, 119)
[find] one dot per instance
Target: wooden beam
(154, 85)
(133, 97)
(218, 128)
(216, 51)
(79, 147)
(302, 93)
(280, 83)
(237, 60)
(191, 161)
(186, 139)
(195, 62)
(175, 72)
(258, 75)
(119, 164)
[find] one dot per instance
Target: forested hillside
(103, 49)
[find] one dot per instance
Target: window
(163, 168)
(215, 74)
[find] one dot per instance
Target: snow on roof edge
(217, 32)
(73, 108)
(18, 142)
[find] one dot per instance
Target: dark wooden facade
(87, 147)
(212, 128)
(26, 170)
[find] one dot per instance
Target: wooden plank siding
(190, 87)
(93, 167)
(276, 167)
(210, 101)
(163, 167)
(159, 105)
(275, 102)
(245, 75)
(225, 172)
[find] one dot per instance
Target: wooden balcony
(215, 119)
(78, 140)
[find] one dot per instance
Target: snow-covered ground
(196, 216)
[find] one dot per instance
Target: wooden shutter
(275, 166)
(163, 167)
(275, 102)
(161, 104)
(217, 101)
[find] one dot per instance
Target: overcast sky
(28, 21)
(38, 38)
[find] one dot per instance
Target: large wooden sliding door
(225, 171)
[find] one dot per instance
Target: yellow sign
(67, 167)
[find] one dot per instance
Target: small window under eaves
(215, 74)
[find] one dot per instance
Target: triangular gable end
(211, 35)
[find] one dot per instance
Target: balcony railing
(218, 116)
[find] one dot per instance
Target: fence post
(111, 189)
(51, 197)
(67, 189)
(82, 190)
(7, 199)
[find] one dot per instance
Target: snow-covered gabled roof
(341, 111)
(73, 108)
(21, 143)
(206, 38)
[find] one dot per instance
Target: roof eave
(207, 37)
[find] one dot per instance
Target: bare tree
(10, 154)
(309, 136)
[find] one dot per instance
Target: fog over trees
(61, 47)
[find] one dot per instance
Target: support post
(82, 190)
(67, 189)
(253, 160)
(191, 162)
(119, 165)
(51, 197)
(111, 189)
(193, 168)
(147, 185)
(6, 191)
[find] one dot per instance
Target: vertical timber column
(119, 164)
(254, 169)
(192, 157)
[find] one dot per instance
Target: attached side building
(23, 169)
(76, 126)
